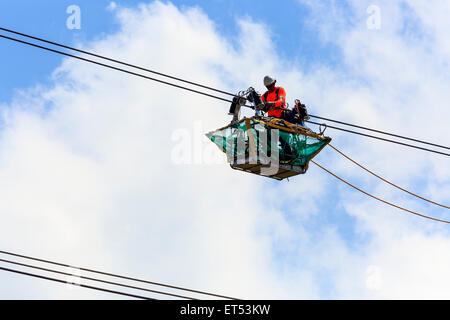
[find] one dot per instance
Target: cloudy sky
(90, 172)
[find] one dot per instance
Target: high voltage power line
(94, 279)
(116, 61)
(217, 97)
(380, 138)
(211, 96)
(382, 132)
(116, 68)
(103, 273)
(204, 87)
(81, 285)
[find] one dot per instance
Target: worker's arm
(281, 98)
(266, 105)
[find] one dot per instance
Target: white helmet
(268, 80)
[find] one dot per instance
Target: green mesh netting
(270, 144)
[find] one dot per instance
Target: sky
(90, 174)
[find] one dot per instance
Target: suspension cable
(382, 132)
(115, 68)
(379, 138)
(197, 84)
(117, 61)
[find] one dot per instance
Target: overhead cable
(116, 61)
(95, 279)
(80, 285)
(115, 68)
(382, 132)
(379, 138)
(115, 275)
(200, 85)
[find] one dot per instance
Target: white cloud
(400, 89)
(112, 6)
(93, 177)
(88, 178)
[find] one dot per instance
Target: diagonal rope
(392, 184)
(379, 199)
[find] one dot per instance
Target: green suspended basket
(268, 147)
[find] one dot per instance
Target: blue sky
(90, 158)
(47, 19)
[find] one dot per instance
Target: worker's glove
(268, 105)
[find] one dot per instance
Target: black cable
(379, 131)
(95, 279)
(115, 275)
(379, 138)
(203, 86)
(80, 285)
(117, 61)
(115, 68)
(203, 93)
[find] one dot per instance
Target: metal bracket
(235, 108)
(321, 132)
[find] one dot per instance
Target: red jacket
(280, 101)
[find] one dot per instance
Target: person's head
(269, 82)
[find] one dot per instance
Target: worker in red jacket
(274, 100)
